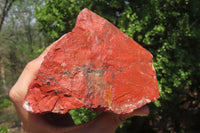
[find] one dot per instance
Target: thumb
(143, 111)
(108, 121)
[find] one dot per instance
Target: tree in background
(20, 39)
(20, 42)
(169, 29)
(5, 6)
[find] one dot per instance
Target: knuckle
(122, 118)
(33, 64)
(30, 65)
(118, 119)
(12, 94)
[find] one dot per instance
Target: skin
(107, 122)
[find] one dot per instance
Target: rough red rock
(95, 66)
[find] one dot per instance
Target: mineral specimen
(95, 66)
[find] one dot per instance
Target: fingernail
(144, 111)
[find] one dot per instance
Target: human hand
(32, 123)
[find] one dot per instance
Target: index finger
(19, 90)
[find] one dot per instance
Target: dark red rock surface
(95, 66)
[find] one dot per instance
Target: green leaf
(157, 103)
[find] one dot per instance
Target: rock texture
(95, 66)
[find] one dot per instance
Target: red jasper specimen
(95, 66)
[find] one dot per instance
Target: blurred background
(169, 29)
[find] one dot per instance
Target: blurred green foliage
(3, 129)
(169, 29)
(82, 115)
(20, 42)
(4, 102)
